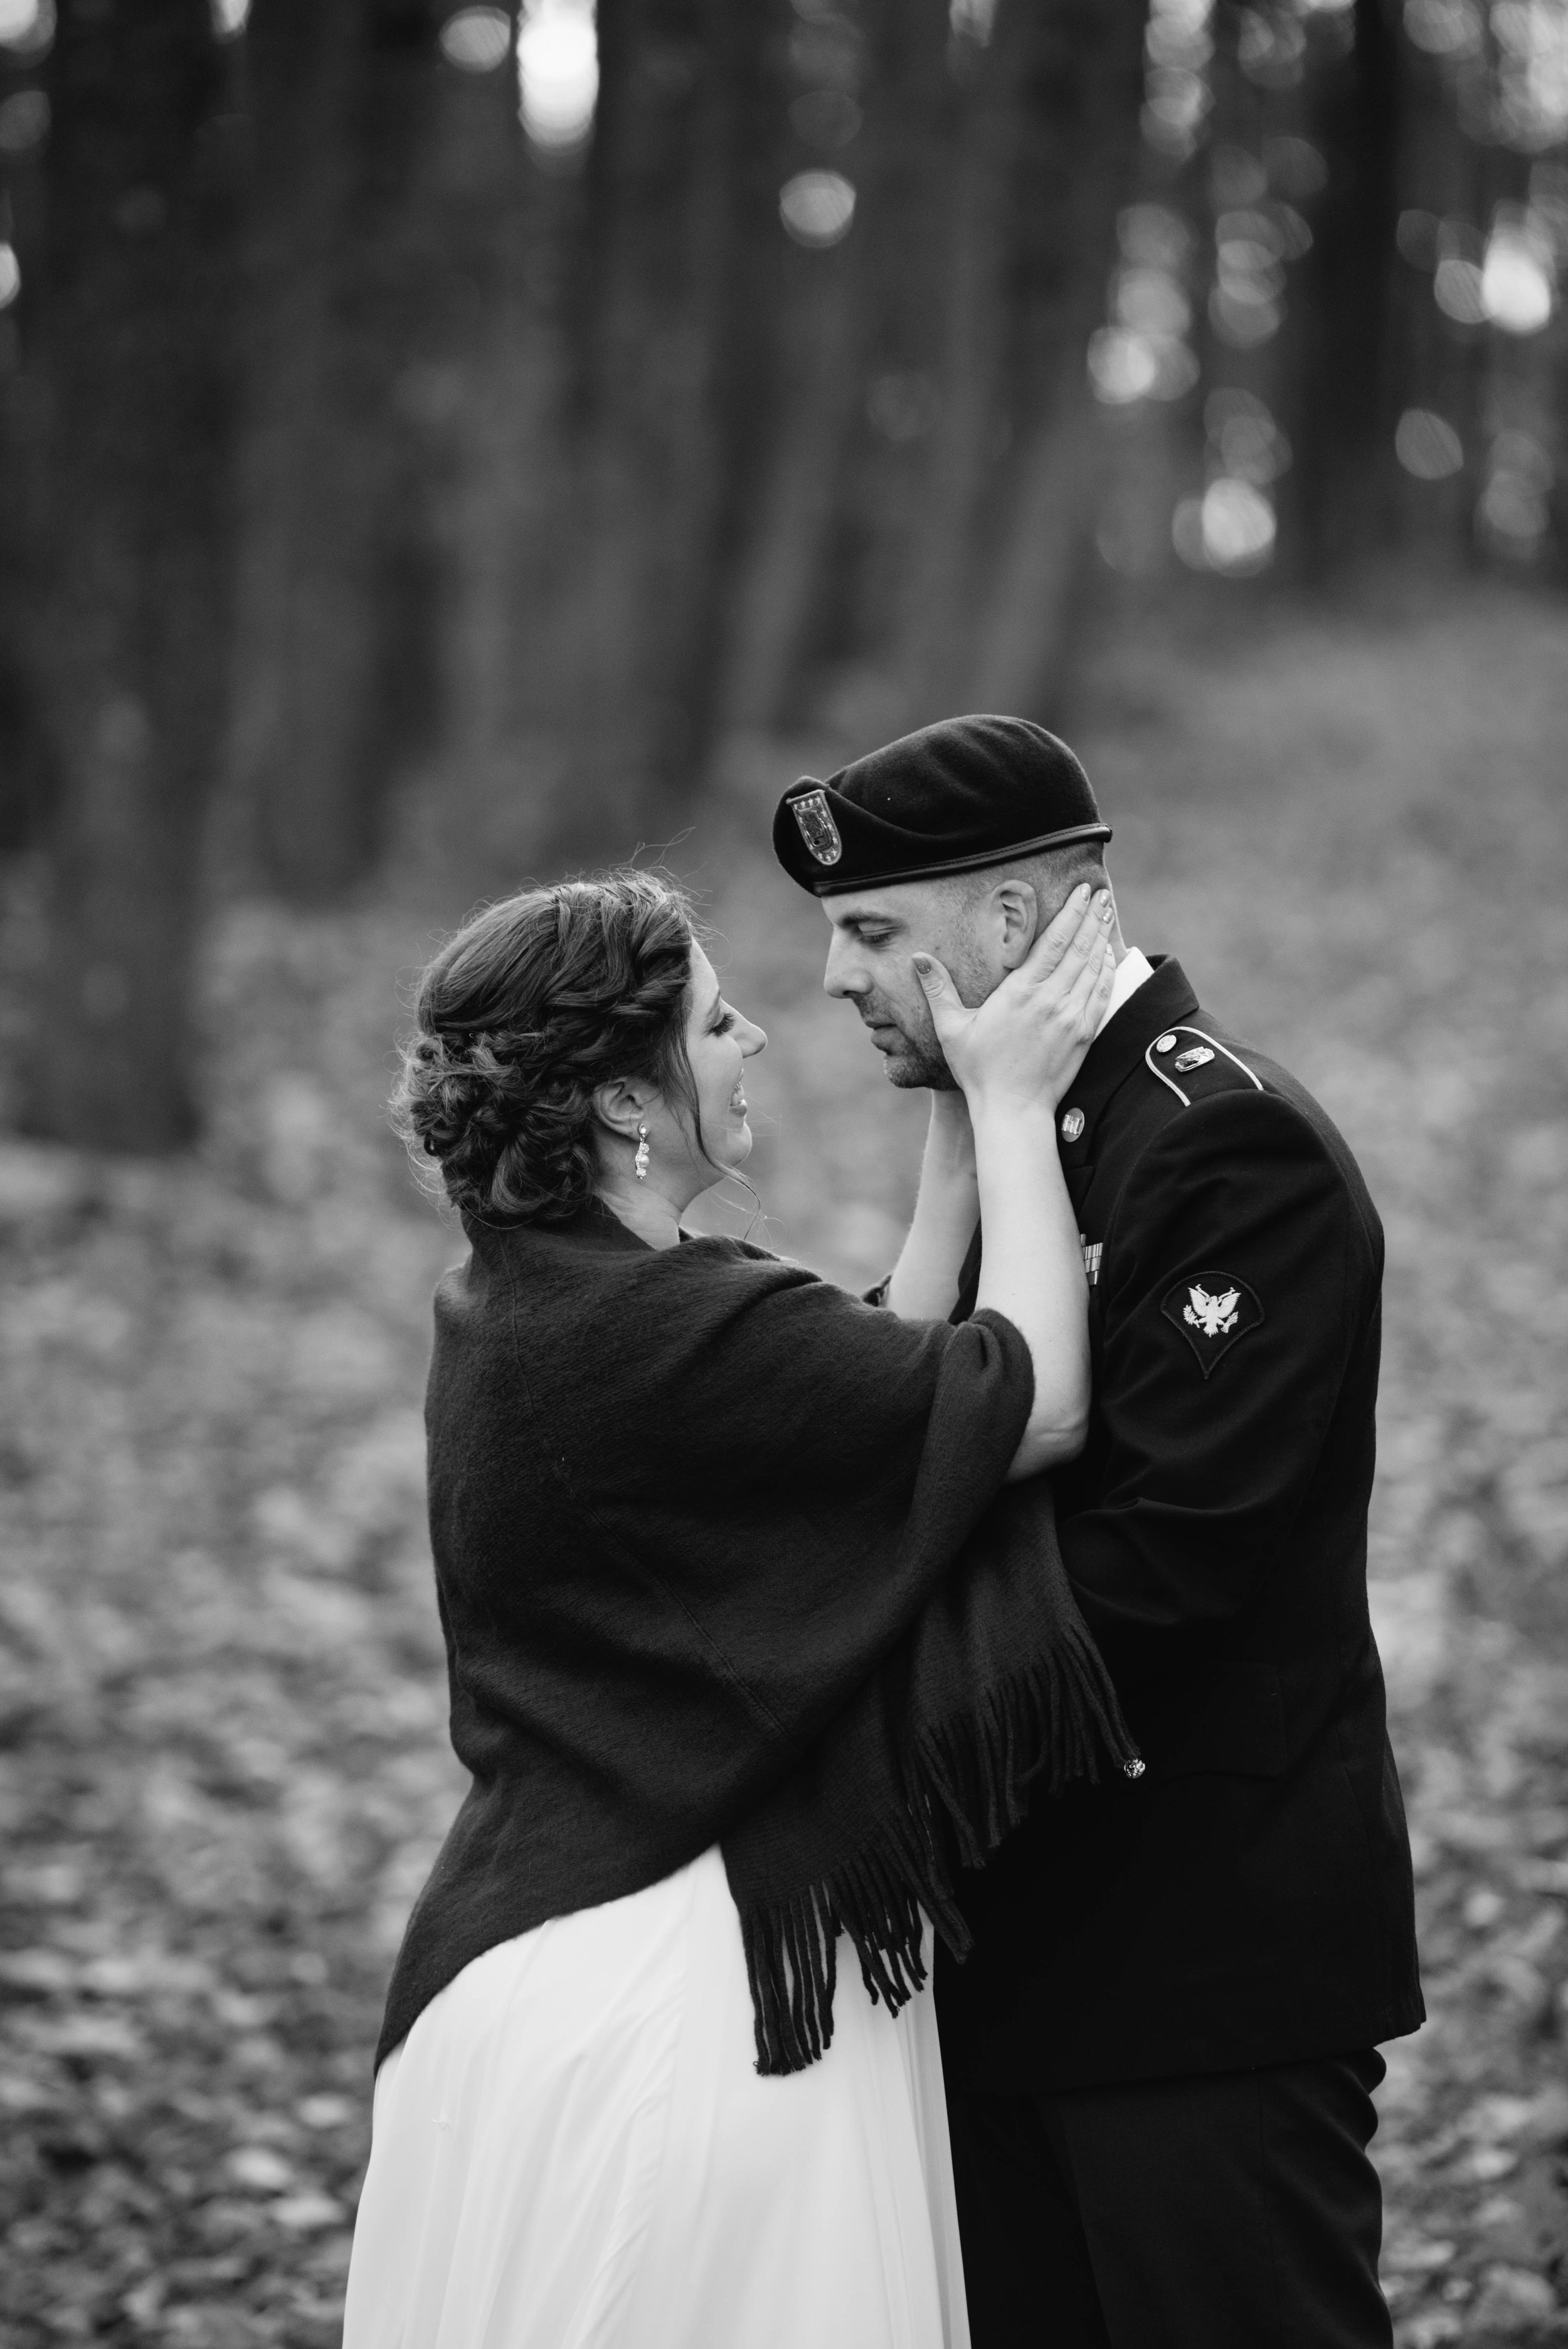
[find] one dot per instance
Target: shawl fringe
(1043, 1728)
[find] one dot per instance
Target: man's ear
(1017, 916)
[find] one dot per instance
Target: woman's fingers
(1059, 936)
(947, 1014)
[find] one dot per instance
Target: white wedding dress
(571, 2149)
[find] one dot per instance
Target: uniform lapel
(1110, 1060)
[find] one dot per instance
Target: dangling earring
(640, 1163)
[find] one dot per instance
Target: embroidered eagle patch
(1211, 1310)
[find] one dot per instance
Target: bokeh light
(1295, 166)
(903, 405)
(27, 26)
(1270, 48)
(1125, 366)
(1246, 304)
(10, 276)
(1512, 516)
(817, 208)
(477, 39)
(1142, 353)
(1177, 96)
(825, 118)
(1516, 290)
(23, 122)
(230, 18)
(1532, 39)
(1247, 443)
(1457, 291)
(1444, 28)
(1154, 236)
(557, 74)
(1230, 529)
(1426, 445)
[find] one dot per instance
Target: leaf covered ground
(222, 1758)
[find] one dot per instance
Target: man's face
(875, 934)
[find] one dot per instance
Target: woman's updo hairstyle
(532, 1006)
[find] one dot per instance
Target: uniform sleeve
(1234, 1283)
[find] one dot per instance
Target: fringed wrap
(968, 1781)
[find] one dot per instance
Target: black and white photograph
(784, 1173)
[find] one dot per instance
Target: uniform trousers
(1233, 2211)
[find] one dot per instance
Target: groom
(1162, 2052)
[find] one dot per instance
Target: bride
(756, 1628)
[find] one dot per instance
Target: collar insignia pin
(1072, 1124)
(1193, 1060)
(818, 829)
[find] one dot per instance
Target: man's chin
(912, 1072)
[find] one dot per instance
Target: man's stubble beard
(917, 1067)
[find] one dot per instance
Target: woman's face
(719, 1043)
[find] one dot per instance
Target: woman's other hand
(1025, 1042)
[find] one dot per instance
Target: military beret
(967, 792)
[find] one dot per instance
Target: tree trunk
(1345, 405)
(826, 502)
(933, 650)
(336, 682)
(135, 362)
(653, 444)
(1079, 87)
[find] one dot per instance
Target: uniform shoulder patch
(1192, 1064)
(1211, 1310)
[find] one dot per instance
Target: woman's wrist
(951, 1138)
(1006, 1119)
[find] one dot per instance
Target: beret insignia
(818, 829)
(1211, 1310)
(950, 798)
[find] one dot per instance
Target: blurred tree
(669, 330)
(1344, 401)
(334, 678)
(131, 347)
(1075, 79)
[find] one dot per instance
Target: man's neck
(1131, 969)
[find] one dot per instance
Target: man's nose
(841, 976)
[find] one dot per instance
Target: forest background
(441, 446)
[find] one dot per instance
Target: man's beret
(967, 792)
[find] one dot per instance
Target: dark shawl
(723, 1554)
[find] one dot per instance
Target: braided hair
(532, 1006)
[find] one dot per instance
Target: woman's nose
(754, 1040)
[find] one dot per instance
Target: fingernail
(1081, 892)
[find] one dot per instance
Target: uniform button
(1072, 1124)
(1165, 1043)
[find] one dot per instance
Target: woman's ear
(1019, 914)
(621, 1105)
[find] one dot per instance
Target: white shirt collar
(1130, 973)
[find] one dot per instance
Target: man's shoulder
(1202, 1092)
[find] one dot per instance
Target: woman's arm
(924, 1282)
(1014, 1057)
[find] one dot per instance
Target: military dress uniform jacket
(1249, 1900)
